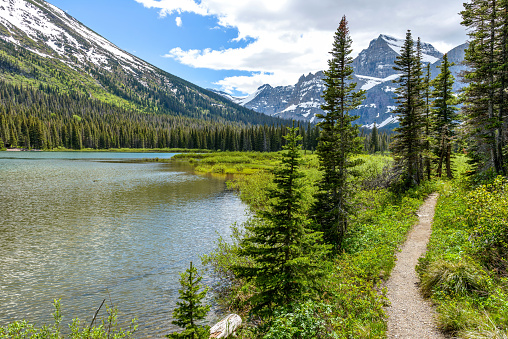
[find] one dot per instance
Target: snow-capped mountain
(41, 42)
(50, 32)
(377, 60)
(373, 72)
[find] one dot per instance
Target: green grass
(230, 162)
(464, 270)
(352, 304)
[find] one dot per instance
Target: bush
(219, 168)
(79, 329)
(299, 321)
(487, 216)
(455, 278)
(456, 316)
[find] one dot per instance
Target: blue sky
(239, 45)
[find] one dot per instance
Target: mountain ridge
(373, 72)
(72, 57)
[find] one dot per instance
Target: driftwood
(226, 326)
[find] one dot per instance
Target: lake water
(87, 226)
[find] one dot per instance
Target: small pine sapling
(190, 309)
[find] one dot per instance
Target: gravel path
(410, 316)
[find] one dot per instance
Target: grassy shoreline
(354, 301)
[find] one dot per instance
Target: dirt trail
(410, 316)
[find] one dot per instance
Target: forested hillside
(46, 117)
(63, 85)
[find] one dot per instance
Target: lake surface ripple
(85, 226)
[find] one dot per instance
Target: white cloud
(293, 37)
(178, 21)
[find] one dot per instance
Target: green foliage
(487, 218)
(455, 278)
(306, 320)
(285, 253)
(408, 143)
(464, 268)
(78, 329)
(190, 310)
(485, 100)
(444, 117)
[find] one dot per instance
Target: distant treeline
(44, 118)
(376, 141)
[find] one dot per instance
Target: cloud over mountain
(291, 37)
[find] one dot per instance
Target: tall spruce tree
(444, 116)
(427, 154)
(284, 250)
(338, 141)
(408, 142)
(190, 309)
(485, 104)
(374, 140)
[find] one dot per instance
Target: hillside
(42, 45)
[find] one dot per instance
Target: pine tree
(444, 116)
(338, 141)
(374, 140)
(428, 124)
(485, 106)
(285, 251)
(190, 308)
(407, 146)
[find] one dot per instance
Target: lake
(90, 226)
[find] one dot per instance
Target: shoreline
(115, 150)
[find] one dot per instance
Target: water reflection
(82, 229)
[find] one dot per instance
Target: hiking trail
(410, 316)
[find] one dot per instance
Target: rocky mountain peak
(373, 72)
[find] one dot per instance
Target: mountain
(373, 72)
(42, 45)
(377, 60)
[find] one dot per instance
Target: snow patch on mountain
(80, 42)
(291, 108)
(428, 52)
(394, 43)
(389, 109)
(391, 120)
(372, 81)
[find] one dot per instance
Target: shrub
(219, 168)
(456, 316)
(299, 321)
(455, 278)
(79, 329)
(487, 216)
